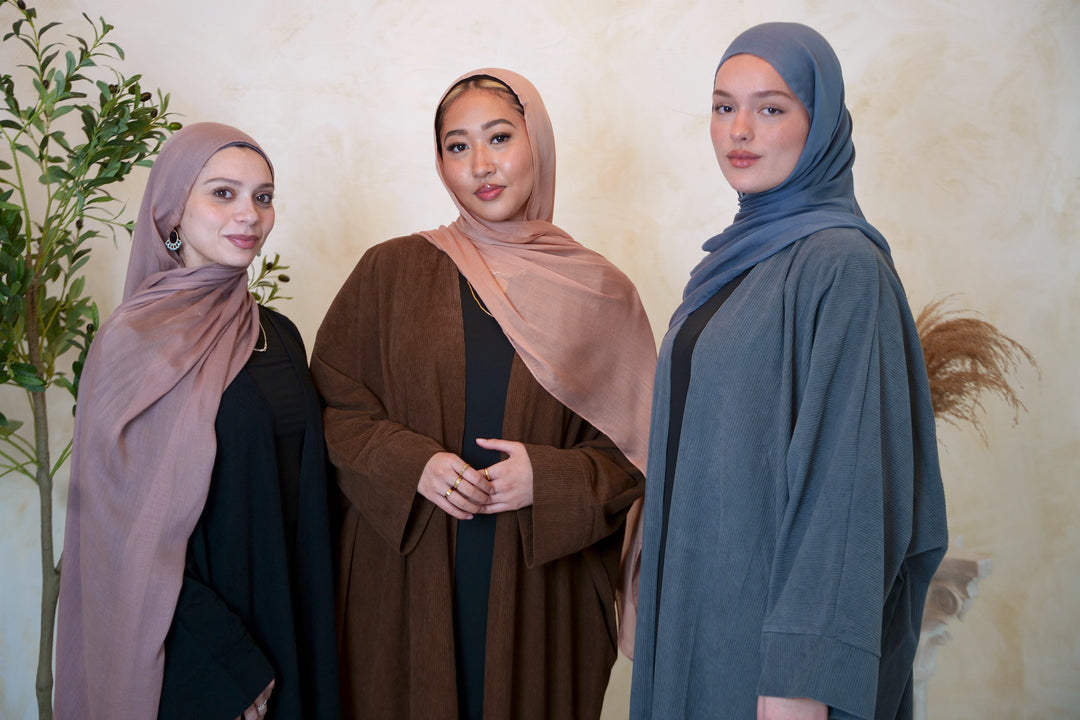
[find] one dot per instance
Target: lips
(742, 158)
(489, 192)
(245, 242)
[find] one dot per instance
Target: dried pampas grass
(965, 358)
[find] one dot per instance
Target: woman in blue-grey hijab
(795, 512)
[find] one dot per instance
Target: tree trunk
(50, 575)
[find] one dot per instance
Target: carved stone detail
(951, 591)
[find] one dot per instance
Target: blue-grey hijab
(818, 194)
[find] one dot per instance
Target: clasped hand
(462, 491)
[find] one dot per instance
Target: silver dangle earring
(258, 253)
(174, 242)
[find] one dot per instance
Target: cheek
(796, 137)
(716, 134)
(794, 142)
(196, 214)
(269, 217)
(520, 164)
(456, 176)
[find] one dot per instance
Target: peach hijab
(574, 318)
(144, 447)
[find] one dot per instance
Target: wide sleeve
(852, 471)
(580, 496)
(583, 485)
(378, 460)
(213, 667)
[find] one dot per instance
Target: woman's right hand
(455, 487)
(257, 709)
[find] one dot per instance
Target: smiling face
(759, 126)
(229, 211)
(486, 156)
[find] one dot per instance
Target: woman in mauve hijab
(197, 578)
(795, 512)
(487, 392)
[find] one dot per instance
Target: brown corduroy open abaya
(389, 362)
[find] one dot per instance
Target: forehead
(477, 106)
(745, 71)
(237, 162)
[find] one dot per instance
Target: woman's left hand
(257, 709)
(511, 479)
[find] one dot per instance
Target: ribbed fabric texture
(807, 513)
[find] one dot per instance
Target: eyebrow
(486, 126)
(232, 181)
(761, 94)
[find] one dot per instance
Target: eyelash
(496, 139)
(769, 111)
(226, 193)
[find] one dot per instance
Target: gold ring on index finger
(448, 491)
(486, 475)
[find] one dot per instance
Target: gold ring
(486, 476)
(450, 490)
(456, 483)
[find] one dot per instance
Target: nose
(245, 211)
(482, 165)
(740, 128)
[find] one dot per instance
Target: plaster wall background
(966, 118)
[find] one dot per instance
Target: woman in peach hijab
(487, 388)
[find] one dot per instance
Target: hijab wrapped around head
(144, 447)
(818, 194)
(573, 317)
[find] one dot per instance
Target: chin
(240, 262)
(492, 217)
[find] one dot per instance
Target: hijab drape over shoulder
(795, 512)
(820, 191)
(573, 317)
(144, 447)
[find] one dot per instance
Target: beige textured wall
(966, 118)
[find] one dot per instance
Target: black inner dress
(488, 358)
(257, 595)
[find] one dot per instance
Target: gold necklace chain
(474, 297)
(263, 337)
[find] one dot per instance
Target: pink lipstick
(489, 192)
(245, 242)
(742, 159)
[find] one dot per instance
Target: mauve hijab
(144, 447)
(818, 194)
(573, 317)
